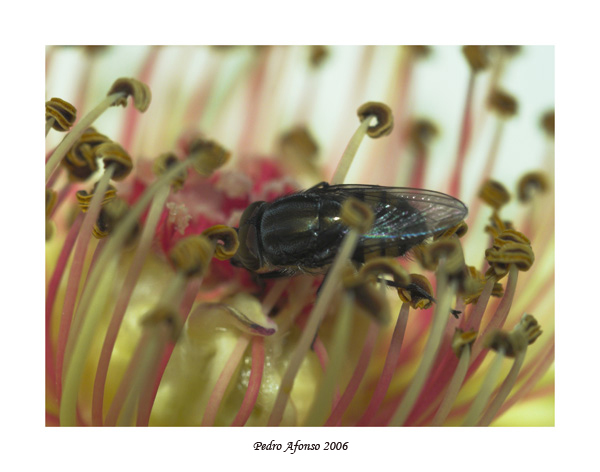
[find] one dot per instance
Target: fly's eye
(248, 251)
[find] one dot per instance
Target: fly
(301, 232)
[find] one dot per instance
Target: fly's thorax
(302, 230)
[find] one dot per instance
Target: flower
(148, 322)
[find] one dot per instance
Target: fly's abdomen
(397, 228)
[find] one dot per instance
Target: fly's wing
(404, 217)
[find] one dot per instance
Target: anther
(421, 133)
(207, 156)
(227, 239)
(517, 340)
(494, 194)
(163, 163)
(318, 54)
(510, 247)
(84, 198)
(51, 197)
(530, 327)
(80, 161)
(473, 286)
(548, 123)
(419, 293)
(477, 57)
(192, 255)
(451, 251)
(163, 315)
(530, 184)
(383, 114)
(298, 143)
(362, 285)
(114, 155)
(110, 215)
(458, 230)
(357, 215)
(379, 266)
(63, 114)
(139, 92)
(502, 103)
(419, 52)
(461, 340)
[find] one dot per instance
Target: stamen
(445, 293)
(52, 290)
(389, 367)
(367, 113)
(50, 204)
(357, 376)
(122, 87)
(101, 281)
(60, 115)
(353, 211)
(485, 390)
(223, 381)
(123, 301)
(477, 58)
(513, 345)
(75, 273)
(258, 359)
(421, 133)
(461, 345)
(323, 404)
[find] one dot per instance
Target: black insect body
(302, 232)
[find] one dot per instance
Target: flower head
(161, 305)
